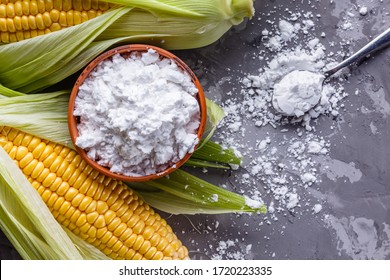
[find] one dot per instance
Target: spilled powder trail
(280, 170)
(285, 166)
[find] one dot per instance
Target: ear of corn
(98, 209)
(34, 64)
(25, 219)
(24, 19)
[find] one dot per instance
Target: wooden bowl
(126, 51)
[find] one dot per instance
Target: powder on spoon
(297, 93)
(138, 115)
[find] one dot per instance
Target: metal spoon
(378, 43)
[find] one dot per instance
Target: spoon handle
(378, 43)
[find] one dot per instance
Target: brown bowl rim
(72, 120)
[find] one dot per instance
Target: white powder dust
(297, 93)
(363, 10)
(284, 167)
(120, 125)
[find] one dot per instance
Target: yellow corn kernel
(110, 217)
(150, 253)
(80, 183)
(25, 160)
(130, 254)
(77, 19)
(95, 4)
(69, 172)
(91, 207)
(53, 198)
(57, 4)
(18, 8)
(78, 5)
(71, 194)
(8, 146)
(92, 232)
(77, 199)
(33, 7)
(66, 205)
(62, 19)
(84, 16)
(18, 24)
(55, 27)
(39, 167)
(21, 153)
(46, 195)
(59, 202)
(92, 217)
(3, 11)
(84, 228)
(68, 214)
(63, 188)
(47, 19)
(45, 172)
(103, 6)
(75, 216)
(116, 246)
(113, 239)
(69, 17)
(54, 15)
(26, 34)
(114, 224)
(41, 6)
(26, 8)
(10, 10)
(119, 228)
(35, 141)
(106, 237)
(19, 137)
(48, 5)
(49, 180)
(39, 21)
(100, 233)
(66, 5)
(85, 203)
(55, 184)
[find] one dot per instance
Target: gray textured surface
(354, 191)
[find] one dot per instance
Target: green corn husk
(183, 193)
(37, 63)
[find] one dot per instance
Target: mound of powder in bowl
(138, 115)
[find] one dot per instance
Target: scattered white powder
(308, 178)
(281, 168)
(120, 126)
(253, 203)
(363, 10)
(317, 208)
(297, 93)
(214, 198)
(317, 147)
(232, 250)
(293, 200)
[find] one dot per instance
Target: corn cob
(23, 19)
(99, 209)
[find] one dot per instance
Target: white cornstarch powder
(138, 115)
(297, 93)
